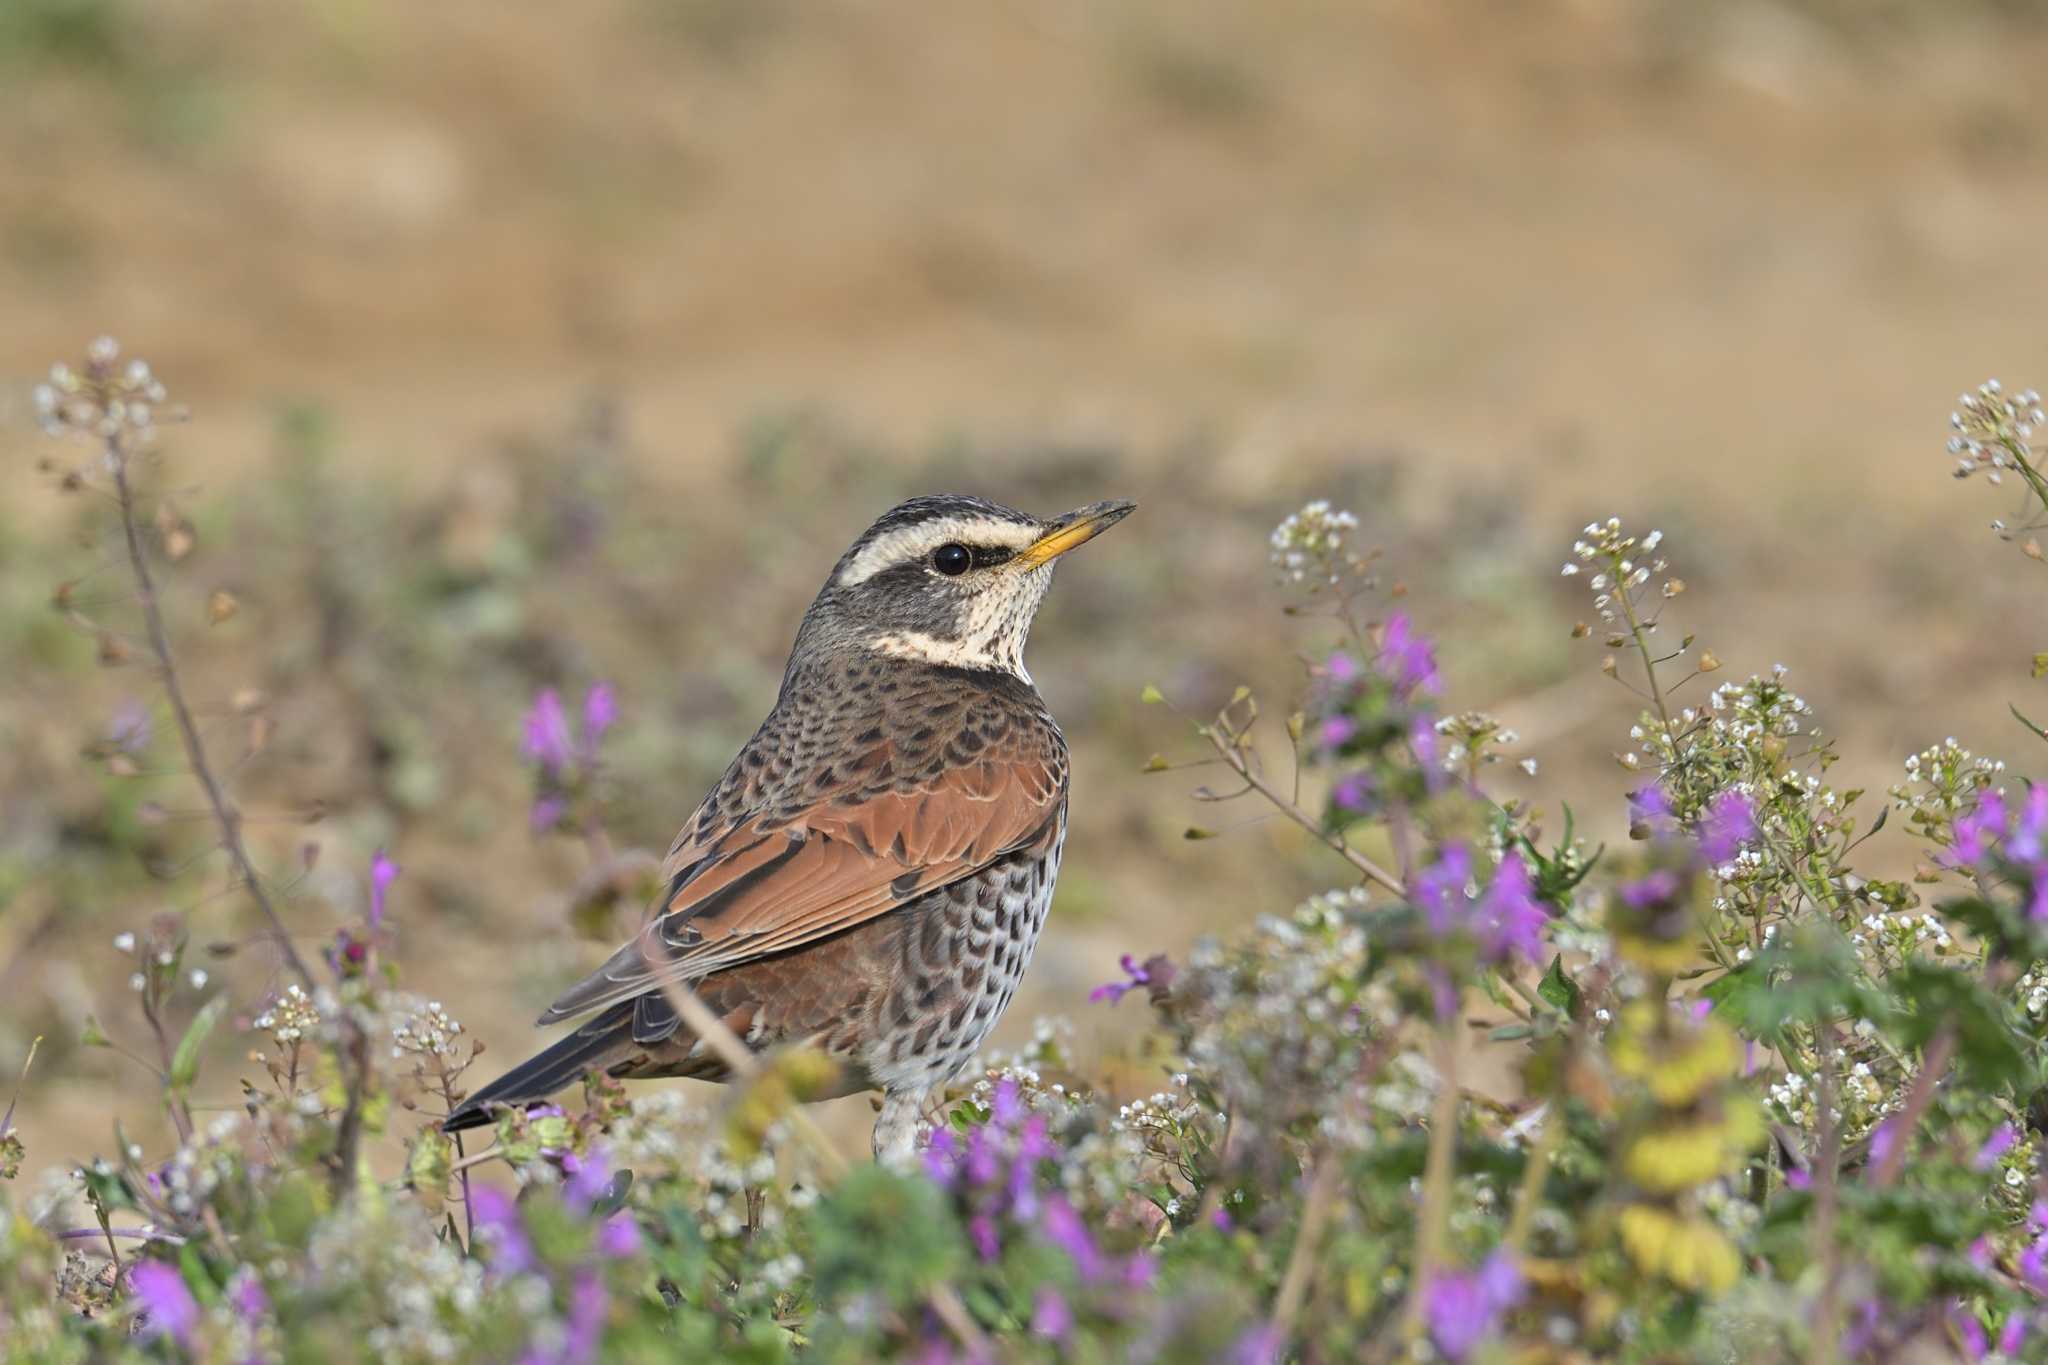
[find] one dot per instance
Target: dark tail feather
(542, 1075)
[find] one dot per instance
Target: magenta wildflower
(547, 813)
(1354, 793)
(1654, 888)
(600, 713)
(1509, 918)
(1261, 1345)
(1440, 889)
(2033, 1264)
(246, 1294)
(589, 1176)
(1407, 657)
(1065, 1230)
(589, 1305)
(2013, 1335)
(1979, 833)
(1728, 824)
(942, 1157)
(1798, 1178)
(1114, 991)
(981, 1230)
(618, 1236)
(1342, 669)
(1997, 1145)
(1220, 1219)
(1975, 1344)
(172, 1310)
(1465, 1308)
(1050, 1316)
(1335, 732)
(499, 1225)
(547, 732)
(1883, 1139)
(1649, 808)
(383, 872)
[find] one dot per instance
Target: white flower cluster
(1761, 708)
(425, 1029)
(291, 1017)
(1993, 429)
(1311, 541)
(107, 400)
(1621, 566)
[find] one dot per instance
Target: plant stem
(1242, 767)
(1434, 1217)
(1535, 1171)
(224, 814)
(1322, 1198)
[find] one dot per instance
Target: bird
(870, 875)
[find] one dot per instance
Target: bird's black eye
(951, 559)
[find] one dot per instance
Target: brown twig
(1315, 1216)
(1235, 758)
(195, 750)
(1933, 1066)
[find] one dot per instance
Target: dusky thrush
(870, 875)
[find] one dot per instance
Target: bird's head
(950, 580)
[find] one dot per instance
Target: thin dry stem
(224, 813)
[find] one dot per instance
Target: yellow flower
(1678, 1155)
(1679, 1062)
(1690, 1252)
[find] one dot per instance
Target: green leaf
(185, 1061)
(1986, 1034)
(1559, 990)
(1197, 832)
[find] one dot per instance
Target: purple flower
(1440, 889)
(2013, 1335)
(172, 1310)
(1065, 1230)
(246, 1294)
(2033, 1264)
(589, 1177)
(1259, 1346)
(498, 1224)
(1464, 1308)
(547, 813)
(1406, 657)
(1354, 793)
(1050, 1316)
(1798, 1178)
(1883, 1139)
(1509, 918)
(589, 1303)
(1114, 991)
(942, 1156)
(1729, 823)
(129, 729)
(1335, 732)
(600, 713)
(547, 732)
(1654, 888)
(981, 1230)
(1975, 1344)
(1649, 807)
(1978, 833)
(1997, 1145)
(1220, 1219)
(618, 1236)
(383, 872)
(1342, 669)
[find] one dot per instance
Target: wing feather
(771, 883)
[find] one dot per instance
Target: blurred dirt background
(526, 349)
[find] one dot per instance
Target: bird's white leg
(896, 1128)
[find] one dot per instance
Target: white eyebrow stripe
(915, 542)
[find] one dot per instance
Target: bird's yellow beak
(1075, 529)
